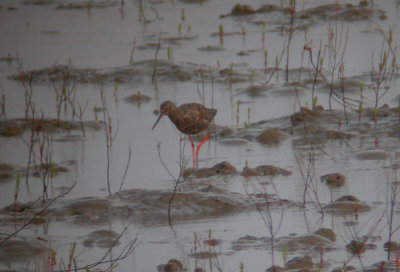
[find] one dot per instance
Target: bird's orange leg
(198, 147)
(191, 141)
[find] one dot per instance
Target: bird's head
(165, 109)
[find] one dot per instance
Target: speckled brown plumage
(189, 118)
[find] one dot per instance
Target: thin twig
(48, 204)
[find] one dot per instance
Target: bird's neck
(175, 114)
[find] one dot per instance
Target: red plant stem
(321, 254)
(356, 213)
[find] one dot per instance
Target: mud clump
(142, 206)
(86, 211)
(16, 207)
(343, 12)
(16, 249)
(250, 172)
(249, 241)
(299, 263)
(137, 99)
(320, 238)
(245, 10)
(275, 269)
(225, 132)
(346, 204)
(51, 168)
(373, 155)
(225, 168)
(211, 48)
(305, 115)
(15, 127)
(203, 255)
(337, 135)
(391, 246)
(265, 8)
(11, 130)
(163, 71)
(6, 172)
(88, 5)
(222, 168)
(334, 179)
(356, 247)
(327, 233)
(265, 170)
(255, 90)
(270, 136)
(242, 10)
(102, 239)
(173, 265)
(212, 242)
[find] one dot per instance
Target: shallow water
(41, 36)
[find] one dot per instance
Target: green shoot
(264, 31)
(221, 34)
(132, 51)
(314, 102)
(71, 256)
(180, 29)
(169, 53)
(252, 75)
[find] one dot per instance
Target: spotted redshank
(189, 118)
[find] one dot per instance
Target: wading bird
(189, 118)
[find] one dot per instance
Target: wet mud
(16, 127)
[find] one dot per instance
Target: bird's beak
(159, 118)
